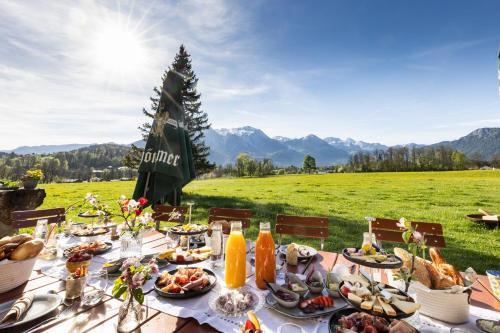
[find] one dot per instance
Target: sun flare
(118, 51)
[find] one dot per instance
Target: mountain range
(226, 144)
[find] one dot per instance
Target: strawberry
(249, 325)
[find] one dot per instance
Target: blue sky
(379, 71)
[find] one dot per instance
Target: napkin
(18, 308)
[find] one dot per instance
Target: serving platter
(41, 306)
(310, 250)
(114, 270)
(399, 314)
(212, 282)
(398, 262)
(298, 314)
(177, 230)
(69, 251)
(337, 315)
(96, 231)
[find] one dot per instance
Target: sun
(118, 51)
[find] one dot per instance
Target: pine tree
(196, 120)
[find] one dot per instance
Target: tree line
(77, 164)
(440, 158)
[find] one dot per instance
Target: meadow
(443, 197)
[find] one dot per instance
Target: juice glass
(236, 263)
(265, 259)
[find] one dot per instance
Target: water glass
(99, 281)
(41, 229)
(217, 244)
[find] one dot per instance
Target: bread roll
(420, 272)
(5, 240)
(22, 238)
(27, 250)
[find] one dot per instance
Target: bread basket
(15, 273)
(442, 305)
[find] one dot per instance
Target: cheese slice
(377, 307)
(368, 305)
(386, 307)
(406, 307)
(354, 298)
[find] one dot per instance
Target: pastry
(292, 254)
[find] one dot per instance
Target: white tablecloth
(199, 309)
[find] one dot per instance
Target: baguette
(27, 250)
(20, 239)
(420, 272)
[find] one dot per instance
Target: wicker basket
(15, 273)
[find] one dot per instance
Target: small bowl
(113, 266)
(316, 290)
(287, 304)
(73, 266)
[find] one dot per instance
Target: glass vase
(129, 314)
(130, 245)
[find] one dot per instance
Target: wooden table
(103, 316)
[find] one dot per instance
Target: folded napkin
(18, 308)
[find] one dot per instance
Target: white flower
(122, 198)
(88, 196)
(402, 223)
(145, 218)
(132, 204)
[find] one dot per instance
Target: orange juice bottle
(236, 263)
(265, 259)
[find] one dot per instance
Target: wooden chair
(162, 213)
(29, 218)
(387, 230)
(305, 226)
(230, 215)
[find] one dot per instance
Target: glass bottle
(265, 259)
(235, 267)
(216, 243)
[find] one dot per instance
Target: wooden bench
(387, 230)
(162, 214)
(230, 215)
(305, 226)
(29, 218)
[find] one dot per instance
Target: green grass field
(444, 197)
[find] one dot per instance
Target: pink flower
(138, 279)
(401, 223)
(417, 236)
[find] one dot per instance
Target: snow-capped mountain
(352, 146)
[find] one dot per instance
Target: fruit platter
(378, 300)
(186, 257)
(185, 282)
(93, 248)
(373, 258)
(350, 320)
(252, 325)
(188, 229)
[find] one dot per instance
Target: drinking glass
(41, 229)
(217, 244)
(99, 281)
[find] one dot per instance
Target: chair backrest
(387, 230)
(162, 213)
(231, 214)
(29, 218)
(305, 226)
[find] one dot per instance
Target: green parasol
(167, 162)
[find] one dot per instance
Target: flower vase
(30, 183)
(131, 245)
(129, 314)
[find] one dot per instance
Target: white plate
(312, 251)
(41, 305)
